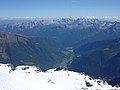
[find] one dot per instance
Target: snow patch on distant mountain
(31, 78)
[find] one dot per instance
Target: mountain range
(82, 45)
(68, 32)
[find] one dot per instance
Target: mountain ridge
(17, 49)
(98, 57)
(31, 78)
(66, 32)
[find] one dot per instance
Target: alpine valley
(90, 46)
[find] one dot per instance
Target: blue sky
(59, 8)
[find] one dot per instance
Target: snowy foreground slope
(31, 78)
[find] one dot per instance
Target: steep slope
(99, 59)
(17, 49)
(29, 77)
